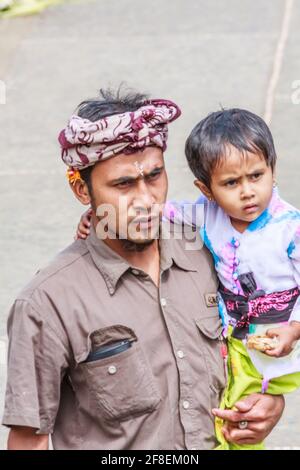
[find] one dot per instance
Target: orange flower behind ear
(73, 175)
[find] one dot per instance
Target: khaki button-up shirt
(158, 393)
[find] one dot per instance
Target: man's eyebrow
(131, 179)
(124, 179)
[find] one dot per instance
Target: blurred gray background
(203, 54)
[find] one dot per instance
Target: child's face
(242, 186)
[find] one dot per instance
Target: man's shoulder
(187, 241)
(59, 269)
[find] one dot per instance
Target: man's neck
(148, 260)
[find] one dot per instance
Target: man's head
(116, 142)
(107, 104)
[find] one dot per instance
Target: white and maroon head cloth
(85, 143)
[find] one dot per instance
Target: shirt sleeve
(37, 361)
(293, 252)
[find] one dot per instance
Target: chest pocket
(211, 342)
(121, 386)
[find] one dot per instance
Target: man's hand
(24, 438)
(261, 412)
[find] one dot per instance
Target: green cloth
(243, 380)
(26, 7)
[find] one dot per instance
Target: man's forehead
(133, 164)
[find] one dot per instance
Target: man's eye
(124, 184)
(153, 176)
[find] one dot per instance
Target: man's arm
(262, 412)
(24, 438)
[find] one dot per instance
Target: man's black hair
(108, 103)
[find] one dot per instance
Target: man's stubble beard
(129, 245)
(134, 247)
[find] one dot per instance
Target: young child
(254, 238)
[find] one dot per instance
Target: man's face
(128, 194)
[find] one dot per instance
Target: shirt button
(186, 404)
(236, 261)
(112, 370)
(235, 276)
(180, 354)
(163, 302)
(236, 243)
(135, 272)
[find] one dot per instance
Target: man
(117, 343)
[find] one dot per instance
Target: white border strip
(278, 58)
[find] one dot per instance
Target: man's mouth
(146, 222)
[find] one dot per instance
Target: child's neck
(239, 225)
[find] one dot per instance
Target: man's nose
(144, 197)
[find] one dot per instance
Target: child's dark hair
(208, 142)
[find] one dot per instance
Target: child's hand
(83, 228)
(286, 336)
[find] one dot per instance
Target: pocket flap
(111, 334)
(210, 326)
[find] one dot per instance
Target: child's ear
(80, 189)
(204, 189)
(274, 179)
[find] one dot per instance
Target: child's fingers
(86, 221)
(80, 235)
(271, 332)
(83, 230)
(276, 352)
(88, 214)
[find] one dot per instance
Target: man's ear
(204, 189)
(80, 189)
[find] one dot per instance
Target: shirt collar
(173, 247)
(266, 216)
(112, 266)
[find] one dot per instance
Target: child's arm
(190, 213)
(186, 212)
(287, 336)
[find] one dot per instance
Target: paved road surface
(197, 52)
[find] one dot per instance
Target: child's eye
(256, 176)
(231, 183)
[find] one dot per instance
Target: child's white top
(269, 248)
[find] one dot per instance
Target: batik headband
(85, 143)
